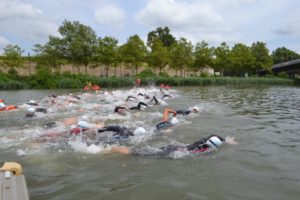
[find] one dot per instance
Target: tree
(263, 60)
(159, 55)
(13, 57)
(163, 34)
(51, 54)
(203, 56)
(241, 59)
(107, 52)
(181, 55)
(221, 60)
(134, 52)
(283, 54)
(78, 43)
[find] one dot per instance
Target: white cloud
(194, 20)
(110, 15)
(290, 28)
(24, 21)
(4, 42)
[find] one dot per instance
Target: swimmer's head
(195, 109)
(1, 100)
(174, 121)
(83, 124)
(214, 142)
(139, 131)
(30, 110)
(2, 105)
(32, 101)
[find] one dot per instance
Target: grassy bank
(68, 81)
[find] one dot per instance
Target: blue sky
(276, 22)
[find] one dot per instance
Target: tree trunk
(106, 70)
(115, 70)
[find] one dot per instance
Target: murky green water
(265, 164)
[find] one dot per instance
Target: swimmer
(146, 96)
(166, 122)
(30, 113)
(188, 111)
(156, 102)
(43, 110)
(122, 131)
(121, 109)
(207, 144)
(131, 97)
(2, 106)
(138, 107)
(32, 103)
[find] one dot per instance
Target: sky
(275, 22)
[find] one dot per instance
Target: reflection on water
(264, 120)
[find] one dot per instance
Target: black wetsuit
(165, 96)
(138, 107)
(43, 110)
(144, 95)
(130, 97)
(202, 144)
(163, 125)
(118, 130)
(198, 146)
(32, 104)
(117, 108)
(183, 112)
(29, 115)
(155, 100)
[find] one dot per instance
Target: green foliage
(146, 73)
(204, 74)
(12, 56)
(221, 60)
(283, 75)
(241, 59)
(262, 58)
(107, 52)
(134, 51)
(283, 55)
(203, 56)
(159, 55)
(181, 55)
(163, 34)
(163, 74)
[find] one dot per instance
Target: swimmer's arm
(119, 149)
(230, 140)
(166, 113)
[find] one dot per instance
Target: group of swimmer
(93, 131)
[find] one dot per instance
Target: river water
(264, 165)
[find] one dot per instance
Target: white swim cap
(214, 142)
(139, 131)
(174, 121)
(32, 101)
(83, 124)
(196, 108)
(31, 110)
(2, 105)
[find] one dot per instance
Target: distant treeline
(79, 46)
(44, 79)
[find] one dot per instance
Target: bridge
(290, 67)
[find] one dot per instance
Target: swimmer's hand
(230, 140)
(120, 149)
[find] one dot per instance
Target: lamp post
(29, 64)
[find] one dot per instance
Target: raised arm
(166, 113)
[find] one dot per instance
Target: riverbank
(47, 81)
